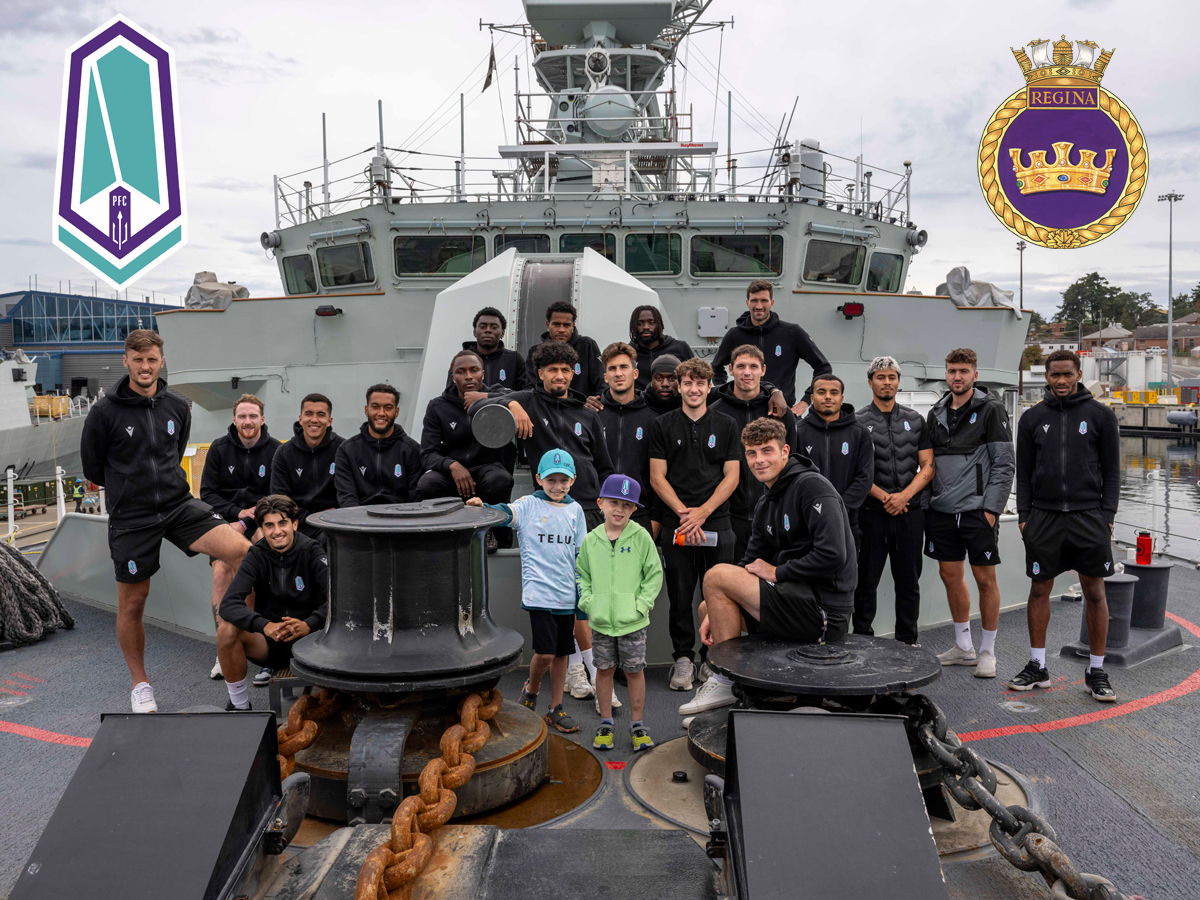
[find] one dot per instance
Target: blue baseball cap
(556, 461)
(622, 487)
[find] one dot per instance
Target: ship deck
(1120, 783)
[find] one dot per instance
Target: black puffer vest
(895, 449)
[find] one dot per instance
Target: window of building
(298, 275)
(834, 263)
(604, 244)
(438, 255)
(653, 254)
(737, 254)
(345, 265)
(884, 273)
(525, 243)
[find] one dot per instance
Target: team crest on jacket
(331, 468)
(170, 426)
(1036, 568)
(907, 427)
(262, 470)
(501, 374)
(787, 526)
(299, 583)
(712, 441)
(577, 369)
(398, 470)
(779, 350)
(974, 416)
(845, 448)
(132, 567)
(578, 428)
(639, 432)
(1083, 427)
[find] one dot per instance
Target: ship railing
(43, 413)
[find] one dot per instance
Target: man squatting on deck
(802, 532)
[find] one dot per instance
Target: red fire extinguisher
(1144, 547)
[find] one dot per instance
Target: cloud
(230, 184)
(45, 161)
(25, 18)
(24, 242)
(206, 35)
(217, 71)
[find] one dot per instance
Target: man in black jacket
(745, 399)
(237, 469)
(782, 343)
(560, 328)
(132, 444)
(288, 574)
(304, 467)
(798, 576)
(663, 394)
(380, 464)
(501, 366)
(841, 448)
(892, 521)
(626, 420)
(1068, 485)
(455, 464)
(646, 335)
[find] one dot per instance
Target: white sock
(576, 657)
(720, 679)
(1095, 662)
(239, 694)
(962, 635)
(1038, 655)
(587, 661)
(988, 642)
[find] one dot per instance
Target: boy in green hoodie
(619, 576)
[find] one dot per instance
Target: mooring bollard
(1149, 594)
(1118, 589)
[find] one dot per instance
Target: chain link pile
(304, 724)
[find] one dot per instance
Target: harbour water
(1160, 494)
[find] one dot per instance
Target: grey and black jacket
(897, 439)
(976, 464)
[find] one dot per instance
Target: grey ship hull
(34, 450)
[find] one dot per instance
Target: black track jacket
(305, 473)
(294, 583)
(646, 357)
(235, 476)
(446, 436)
(1068, 456)
(371, 470)
(589, 371)
(842, 451)
(627, 436)
(745, 496)
(502, 366)
(784, 344)
(801, 528)
(132, 446)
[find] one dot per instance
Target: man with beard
(501, 366)
(304, 466)
(380, 464)
(237, 469)
(588, 374)
(646, 335)
(662, 395)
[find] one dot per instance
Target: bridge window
(885, 271)
(438, 255)
(345, 265)
(834, 263)
(525, 243)
(737, 254)
(298, 275)
(653, 254)
(604, 244)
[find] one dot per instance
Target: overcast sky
(922, 79)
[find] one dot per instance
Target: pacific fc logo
(118, 195)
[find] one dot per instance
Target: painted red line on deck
(1187, 686)
(50, 737)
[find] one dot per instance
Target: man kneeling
(798, 577)
(288, 573)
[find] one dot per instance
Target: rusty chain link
(394, 865)
(304, 724)
(1019, 834)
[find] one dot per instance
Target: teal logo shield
(119, 198)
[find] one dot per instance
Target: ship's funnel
(575, 22)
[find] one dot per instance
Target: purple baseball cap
(622, 487)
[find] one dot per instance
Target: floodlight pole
(1021, 245)
(1172, 198)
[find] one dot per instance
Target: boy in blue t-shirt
(550, 526)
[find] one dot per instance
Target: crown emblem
(1040, 176)
(1062, 63)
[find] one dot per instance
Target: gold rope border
(1135, 185)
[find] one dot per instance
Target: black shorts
(790, 609)
(279, 654)
(952, 537)
(135, 551)
(1057, 542)
(552, 634)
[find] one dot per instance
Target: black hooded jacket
(562, 423)
(784, 344)
(446, 436)
(745, 496)
(1068, 456)
(305, 473)
(502, 366)
(371, 470)
(802, 529)
(660, 406)
(627, 435)
(235, 476)
(132, 446)
(667, 345)
(294, 584)
(589, 371)
(842, 451)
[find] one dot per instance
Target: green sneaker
(604, 738)
(528, 699)
(641, 739)
(558, 719)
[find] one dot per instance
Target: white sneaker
(142, 698)
(987, 665)
(705, 672)
(577, 682)
(216, 674)
(712, 695)
(687, 722)
(956, 656)
(682, 674)
(616, 704)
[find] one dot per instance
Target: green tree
(1135, 309)
(1090, 298)
(1031, 357)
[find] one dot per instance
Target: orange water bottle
(707, 539)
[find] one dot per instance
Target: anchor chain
(304, 724)
(394, 865)
(1019, 834)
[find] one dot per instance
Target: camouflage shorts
(628, 650)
